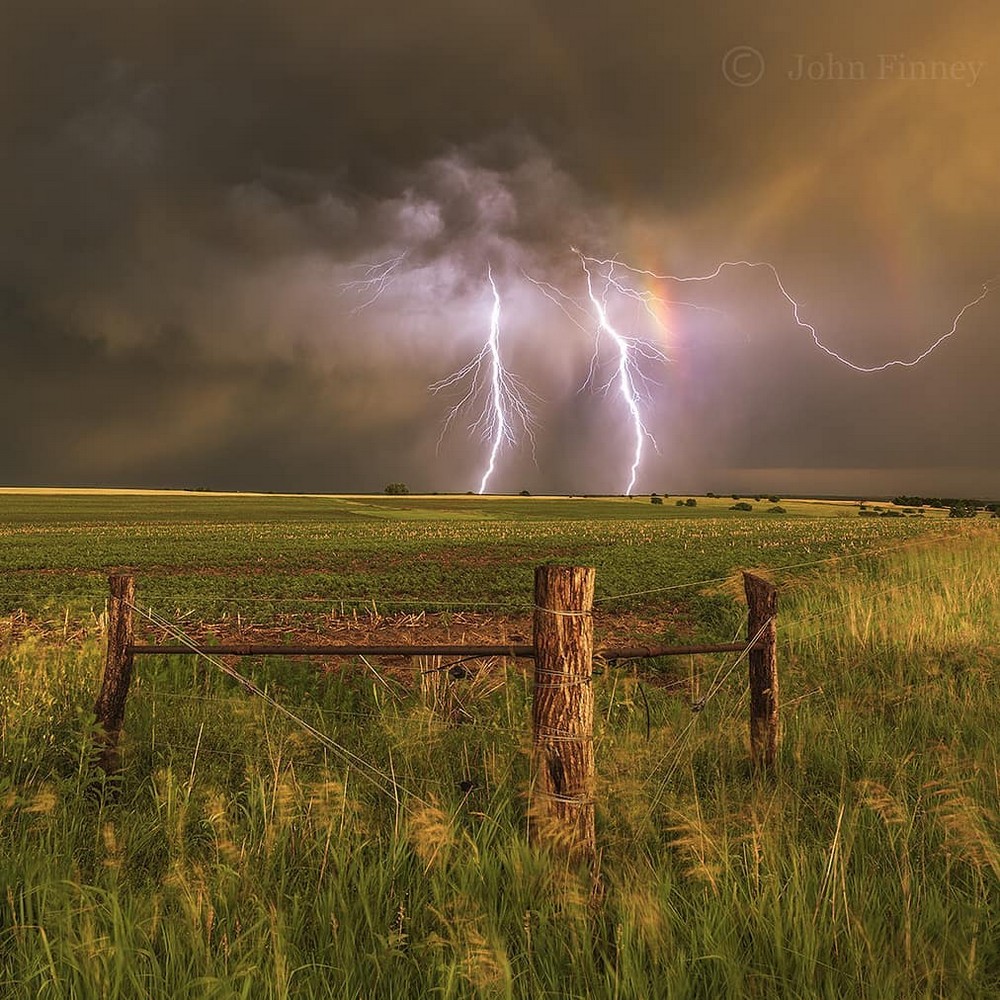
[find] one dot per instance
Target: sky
(191, 192)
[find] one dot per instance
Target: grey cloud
(186, 187)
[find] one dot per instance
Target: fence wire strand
(380, 779)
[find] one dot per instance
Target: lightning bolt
(628, 377)
(504, 414)
(375, 279)
(630, 380)
(505, 409)
(985, 290)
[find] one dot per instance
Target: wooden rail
(471, 652)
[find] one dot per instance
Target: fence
(563, 769)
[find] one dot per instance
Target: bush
(680, 503)
(713, 495)
(742, 506)
(690, 502)
(774, 499)
(524, 493)
(397, 489)
(655, 499)
(776, 510)
(963, 508)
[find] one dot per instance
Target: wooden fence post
(762, 601)
(110, 705)
(561, 815)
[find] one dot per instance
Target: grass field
(239, 858)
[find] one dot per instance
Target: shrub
(655, 499)
(524, 493)
(776, 510)
(680, 503)
(742, 506)
(774, 499)
(690, 502)
(397, 489)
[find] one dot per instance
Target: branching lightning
(499, 399)
(375, 279)
(505, 410)
(628, 378)
(796, 309)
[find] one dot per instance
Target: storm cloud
(190, 194)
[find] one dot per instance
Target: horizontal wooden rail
(321, 650)
(648, 652)
(472, 652)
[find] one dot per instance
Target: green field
(205, 554)
(238, 857)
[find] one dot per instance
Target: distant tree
(524, 493)
(962, 508)
(776, 510)
(713, 495)
(690, 502)
(736, 496)
(680, 503)
(774, 499)
(396, 489)
(742, 506)
(759, 497)
(655, 499)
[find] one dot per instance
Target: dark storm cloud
(186, 187)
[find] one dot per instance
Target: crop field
(236, 856)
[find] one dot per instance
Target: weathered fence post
(110, 705)
(561, 815)
(762, 601)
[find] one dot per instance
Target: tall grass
(236, 860)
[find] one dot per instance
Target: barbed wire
(674, 749)
(368, 770)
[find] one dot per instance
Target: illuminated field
(206, 552)
(240, 855)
